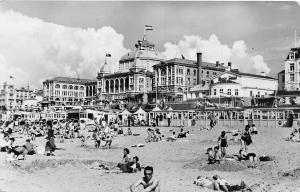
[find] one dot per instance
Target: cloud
(33, 50)
(213, 50)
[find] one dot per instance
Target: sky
(42, 40)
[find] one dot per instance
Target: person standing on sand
(246, 138)
(222, 141)
(169, 119)
(149, 183)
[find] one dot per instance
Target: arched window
(65, 87)
(57, 86)
(81, 88)
(70, 87)
(76, 87)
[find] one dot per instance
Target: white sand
(176, 164)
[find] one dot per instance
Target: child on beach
(211, 156)
(222, 140)
(217, 155)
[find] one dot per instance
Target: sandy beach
(176, 164)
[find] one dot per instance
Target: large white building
(238, 84)
(133, 81)
(289, 78)
(69, 91)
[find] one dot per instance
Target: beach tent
(142, 115)
(170, 109)
(125, 115)
(156, 109)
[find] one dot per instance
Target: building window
(292, 77)
(131, 80)
(215, 91)
(188, 71)
(258, 94)
(251, 93)
(236, 92)
(221, 91)
(202, 71)
(194, 81)
(195, 72)
(292, 56)
(188, 81)
(229, 92)
(292, 67)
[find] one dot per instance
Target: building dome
(105, 68)
(143, 50)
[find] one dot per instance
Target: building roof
(70, 80)
(226, 82)
(236, 72)
(254, 75)
(143, 50)
(283, 71)
(105, 68)
(297, 52)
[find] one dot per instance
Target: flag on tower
(148, 28)
(108, 55)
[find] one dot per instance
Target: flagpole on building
(156, 94)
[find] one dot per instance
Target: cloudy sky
(40, 40)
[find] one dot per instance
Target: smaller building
(69, 91)
(237, 84)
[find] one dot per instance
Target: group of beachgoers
(218, 153)
(105, 132)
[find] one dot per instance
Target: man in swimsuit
(149, 183)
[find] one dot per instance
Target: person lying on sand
(149, 183)
(223, 185)
(205, 182)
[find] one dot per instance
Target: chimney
(229, 66)
(199, 65)
(217, 64)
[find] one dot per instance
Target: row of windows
(126, 65)
(236, 92)
(57, 86)
(69, 93)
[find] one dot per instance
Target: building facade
(289, 79)
(237, 84)
(176, 79)
(12, 98)
(133, 81)
(69, 91)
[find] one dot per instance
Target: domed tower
(142, 58)
(104, 70)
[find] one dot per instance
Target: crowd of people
(104, 132)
